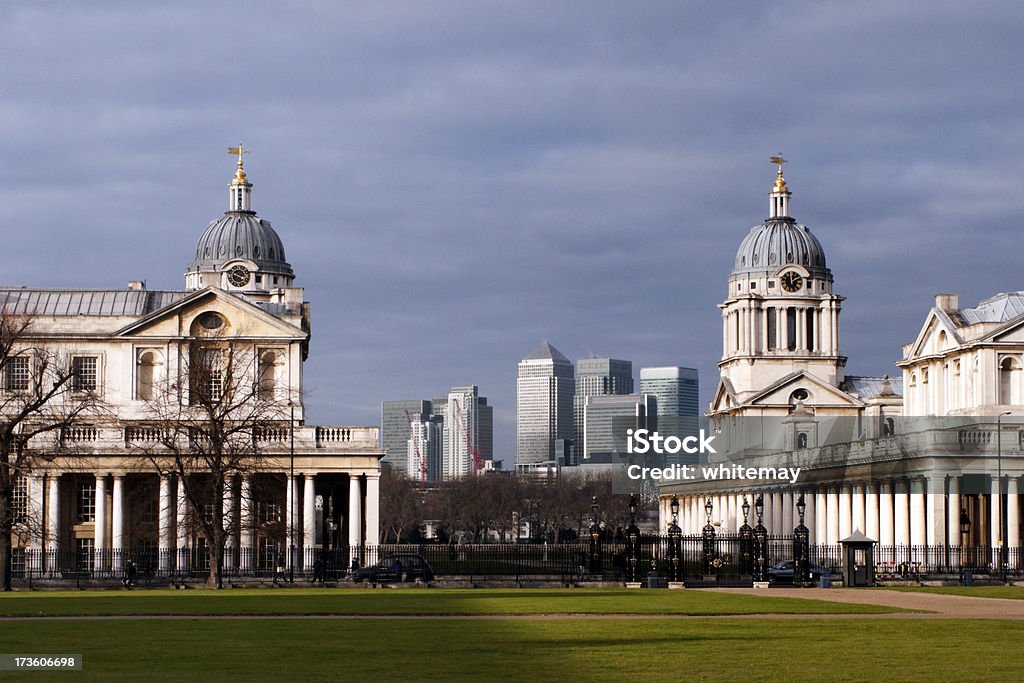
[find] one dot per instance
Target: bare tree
(209, 426)
(38, 395)
(401, 504)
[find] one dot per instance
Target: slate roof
(995, 309)
(869, 387)
(89, 302)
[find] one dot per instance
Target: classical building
(112, 492)
(914, 471)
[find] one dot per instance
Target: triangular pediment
(243, 318)
(1012, 331)
(820, 393)
(725, 396)
(928, 339)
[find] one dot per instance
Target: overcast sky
(455, 182)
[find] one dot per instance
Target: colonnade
(915, 511)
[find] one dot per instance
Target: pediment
(242, 318)
(820, 393)
(1012, 332)
(929, 339)
(725, 396)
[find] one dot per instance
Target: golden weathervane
(240, 150)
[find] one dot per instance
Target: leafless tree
(210, 426)
(38, 395)
(401, 504)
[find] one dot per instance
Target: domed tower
(780, 315)
(240, 251)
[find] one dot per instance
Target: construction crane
(421, 461)
(474, 450)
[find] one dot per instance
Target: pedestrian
(132, 573)
(279, 571)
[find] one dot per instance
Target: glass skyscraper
(544, 404)
(675, 389)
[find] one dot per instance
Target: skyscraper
(461, 433)
(544, 404)
(395, 417)
(424, 449)
(597, 377)
(606, 419)
(675, 389)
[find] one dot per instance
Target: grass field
(412, 601)
(652, 649)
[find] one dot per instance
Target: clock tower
(780, 318)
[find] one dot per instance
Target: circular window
(799, 395)
(238, 276)
(211, 321)
(238, 250)
(256, 251)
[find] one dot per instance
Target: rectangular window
(772, 323)
(791, 328)
(269, 512)
(19, 499)
(810, 329)
(84, 369)
(84, 551)
(87, 501)
(207, 376)
(16, 374)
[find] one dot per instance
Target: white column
(996, 512)
(246, 523)
(355, 515)
(859, 520)
(886, 521)
(833, 515)
(845, 512)
(871, 510)
(227, 503)
(166, 523)
(821, 515)
(291, 519)
(809, 515)
(36, 511)
(917, 517)
(181, 509)
(953, 504)
(117, 523)
(308, 514)
(935, 510)
(769, 512)
(100, 527)
(1013, 514)
(53, 513)
(787, 512)
(372, 509)
(901, 513)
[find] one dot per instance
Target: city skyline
(461, 182)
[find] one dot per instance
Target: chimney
(947, 302)
(136, 285)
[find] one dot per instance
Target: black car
(784, 572)
(397, 568)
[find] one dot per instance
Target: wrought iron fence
(726, 560)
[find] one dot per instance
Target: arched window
(147, 377)
(1009, 381)
(269, 375)
(801, 440)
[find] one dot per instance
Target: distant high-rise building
(544, 404)
(675, 388)
(461, 432)
(597, 377)
(485, 430)
(606, 419)
(395, 417)
(423, 449)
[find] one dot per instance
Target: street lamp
(999, 489)
(760, 542)
(595, 539)
(632, 543)
(709, 539)
(291, 497)
(746, 539)
(674, 549)
(801, 543)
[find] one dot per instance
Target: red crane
(474, 450)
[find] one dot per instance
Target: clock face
(791, 281)
(238, 276)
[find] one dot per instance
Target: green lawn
(415, 601)
(455, 649)
(1011, 592)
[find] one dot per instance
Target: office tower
(597, 377)
(675, 388)
(461, 433)
(544, 404)
(395, 417)
(423, 449)
(485, 430)
(606, 419)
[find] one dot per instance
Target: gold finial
(780, 182)
(240, 172)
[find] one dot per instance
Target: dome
(779, 242)
(241, 235)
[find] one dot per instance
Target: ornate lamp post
(746, 540)
(709, 539)
(760, 543)
(801, 545)
(595, 539)
(674, 549)
(632, 544)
